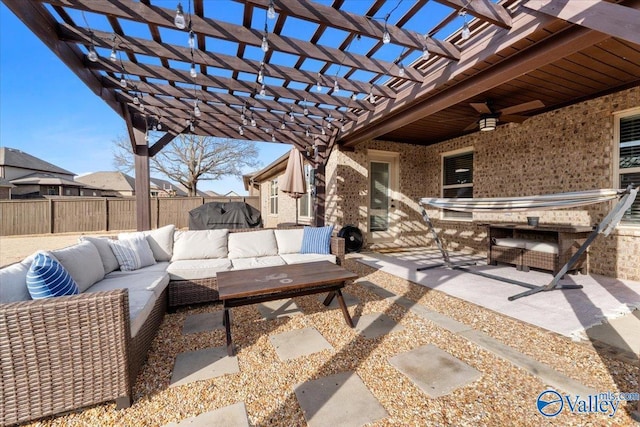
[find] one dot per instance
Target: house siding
(569, 149)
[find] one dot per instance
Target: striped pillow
(47, 278)
(133, 252)
(316, 240)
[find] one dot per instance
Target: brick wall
(569, 149)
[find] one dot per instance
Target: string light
(193, 71)
(179, 18)
(336, 88)
(466, 33)
(158, 125)
(271, 12)
(253, 122)
(123, 81)
(196, 109)
(92, 55)
(305, 111)
(307, 133)
(425, 53)
(260, 76)
(191, 126)
(283, 125)
(113, 57)
(263, 90)
(386, 37)
(273, 137)
(323, 131)
(372, 97)
(240, 130)
(401, 70)
(354, 96)
(136, 100)
(291, 116)
(192, 39)
(318, 84)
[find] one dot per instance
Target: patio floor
(416, 357)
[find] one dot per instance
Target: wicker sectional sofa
(64, 353)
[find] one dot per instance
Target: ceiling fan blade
(512, 118)
(481, 107)
(526, 106)
(472, 126)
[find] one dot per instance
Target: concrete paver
(298, 343)
(203, 364)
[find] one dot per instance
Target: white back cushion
(83, 262)
(13, 281)
(161, 242)
(247, 244)
(109, 260)
(289, 241)
(200, 244)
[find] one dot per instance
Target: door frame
(393, 158)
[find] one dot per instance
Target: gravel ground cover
(504, 395)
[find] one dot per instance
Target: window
(628, 143)
(457, 180)
(273, 197)
(52, 191)
(305, 202)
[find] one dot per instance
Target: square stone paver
(299, 342)
(434, 371)
(202, 364)
(349, 300)
(202, 322)
(229, 416)
(375, 324)
(279, 308)
(338, 400)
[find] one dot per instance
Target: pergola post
(143, 198)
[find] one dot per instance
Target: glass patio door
(381, 190)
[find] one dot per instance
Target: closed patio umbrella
(293, 182)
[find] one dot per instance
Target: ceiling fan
(489, 116)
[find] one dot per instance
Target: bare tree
(189, 159)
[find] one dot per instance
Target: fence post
(51, 225)
(106, 214)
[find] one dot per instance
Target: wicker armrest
(63, 353)
(338, 248)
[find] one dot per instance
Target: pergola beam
(613, 19)
(362, 25)
(482, 9)
(163, 17)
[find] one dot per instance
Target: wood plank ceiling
(520, 59)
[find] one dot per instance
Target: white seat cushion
(510, 242)
(300, 258)
(289, 241)
(192, 269)
(140, 305)
(161, 242)
(83, 262)
(249, 244)
(200, 244)
(145, 279)
(546, 247)
(257, 262)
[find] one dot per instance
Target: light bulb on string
(240, 130)
(354, 96)
(263, 90)
(192, 72)
(305, 110)
(306, 133)
(192, 39)
(291, 116)
(466, 33)
(92, 55)
(318, 85)
(372, 97)
(243, 117)
(179, 18)
(253, 122)
(328, 125)
(158, 125)
(336, 87)
(191, 127)
(136, 100)
(196, 111)
(386, 37)
(265, 44)
(425, 53)
(245, 121)
(123, 81)
(401, 70)
(273, 137)
(283, 125)
(323, 131)
(260, 76)
(114, 56)
(271, 12)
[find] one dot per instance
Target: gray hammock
(543, 202)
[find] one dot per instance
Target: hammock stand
(555, 201)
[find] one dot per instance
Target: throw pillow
(133, 252)
(47, 278)
(316, 240)
(109, 260)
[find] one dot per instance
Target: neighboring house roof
(212, 193)
(46, 179)
(20, 159)
(109, 180)
(164, 185)
(232, 194)
(275, 168)
(5, 183)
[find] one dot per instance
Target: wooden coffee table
(243, 287)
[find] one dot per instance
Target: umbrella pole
(296, 211)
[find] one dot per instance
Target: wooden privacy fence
(85, 214)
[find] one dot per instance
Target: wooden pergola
(255, 76)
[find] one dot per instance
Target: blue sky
(46, 110)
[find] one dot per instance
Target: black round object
(352, 238)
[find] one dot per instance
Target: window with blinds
(305, 202)
(457, 180)
(629, 159)
(273, 197)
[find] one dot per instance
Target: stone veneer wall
(569, 149)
